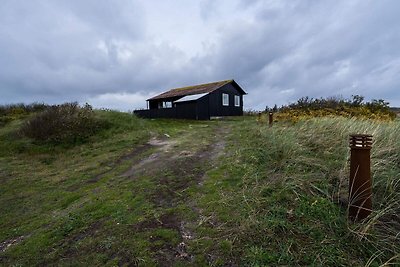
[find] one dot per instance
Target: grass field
(220, 193)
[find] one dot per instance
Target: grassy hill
(219, 193)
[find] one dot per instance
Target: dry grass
(279, 202)
(382, 228)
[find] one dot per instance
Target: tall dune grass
(309, 160)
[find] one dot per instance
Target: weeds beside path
(106, 203)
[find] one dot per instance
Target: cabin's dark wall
(156, 113)
(153, 104)
(216, 107)
(186, 110)
(202, 109)
(183, 110)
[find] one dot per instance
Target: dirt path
(138, 208)
(177, 165)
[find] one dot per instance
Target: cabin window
(225, 99)
(237, 101)
(165, 104)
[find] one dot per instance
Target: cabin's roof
(190, 97)
(195, 89)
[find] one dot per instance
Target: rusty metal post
(360, 185)
(271, 118)
(259, 117)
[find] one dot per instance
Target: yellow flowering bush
(306, 108)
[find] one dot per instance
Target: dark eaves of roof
(193, 90)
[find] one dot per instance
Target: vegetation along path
(104, 203)
(233, 192)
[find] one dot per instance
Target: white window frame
(237, 101)
(167, 104)
(225, 99)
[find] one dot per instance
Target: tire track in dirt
(174, 170)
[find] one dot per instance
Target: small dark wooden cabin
(199, 102)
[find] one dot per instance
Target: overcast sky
(118, 53)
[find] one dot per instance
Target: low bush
(62, 123)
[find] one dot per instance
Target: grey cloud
(51, 48)
(325, 49)
(277, 50)
(208, 8)
(117, 19)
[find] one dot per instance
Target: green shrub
(62, 124)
